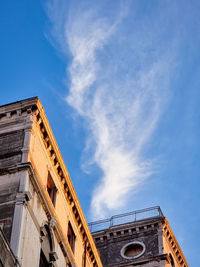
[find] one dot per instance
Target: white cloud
(120, 87)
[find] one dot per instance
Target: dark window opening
(51, 189)
(71, 237)
(171, 260)
(133, 250)
(43, 260)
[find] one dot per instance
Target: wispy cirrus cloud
(119, 84)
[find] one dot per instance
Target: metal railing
(129, 217)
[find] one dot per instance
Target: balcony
(134, 216)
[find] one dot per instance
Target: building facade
(41, 220)
(141, 238)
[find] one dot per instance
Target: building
(141, 238)
(41, 220)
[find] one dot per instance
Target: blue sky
(119, 81)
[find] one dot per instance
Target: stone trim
(138, 262)
(18, 108)
(14, 113)
(130, 229)
(175, 248)
(34, 218)
(122, 252)
(66, 184)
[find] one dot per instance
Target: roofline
(21, 101)
(34, 107)
(126, 218)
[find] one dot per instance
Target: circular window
(133, 250)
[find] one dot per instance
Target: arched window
(47, 253)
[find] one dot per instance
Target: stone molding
(126, 229)
(175, 248)
(123, 249)
(138, 262)
(18, 113)
(66, 184)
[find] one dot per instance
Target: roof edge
(28, 100)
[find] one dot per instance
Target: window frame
(51, 189)
(71, 237)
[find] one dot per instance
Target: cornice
(22, 104)
(175, 248)
(66, 184)
(139, 262)
(127, 229)
(17, 115)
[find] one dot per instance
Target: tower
(41, 220)
(139, 238)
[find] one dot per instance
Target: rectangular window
(71, 237)
(51, 189)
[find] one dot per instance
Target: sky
(119, 82)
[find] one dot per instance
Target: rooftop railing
(129, 217)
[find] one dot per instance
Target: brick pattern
(10, 148)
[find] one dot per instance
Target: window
(47, 254)
(71, 237)
(133, 250)
(51, 189)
